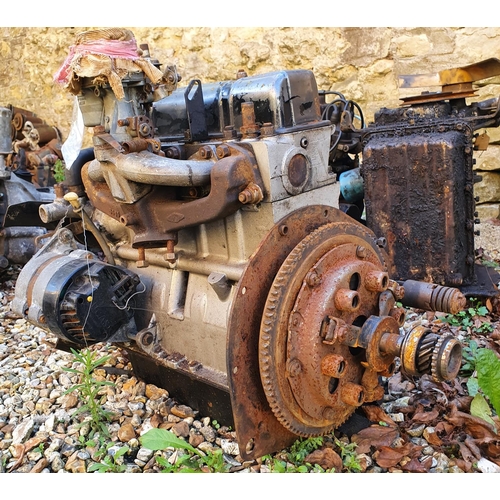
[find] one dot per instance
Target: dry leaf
(462, 464)
(388, 457)
(376, 414)
(326, 458)
(468, 457)
(424, 417)
(376, 436)
(473, 447)
(415, 465)
(475, 426)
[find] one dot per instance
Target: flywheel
(334, 276)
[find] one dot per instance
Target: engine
(215, 232)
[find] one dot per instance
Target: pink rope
(112, 48)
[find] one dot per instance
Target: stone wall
(362, 63)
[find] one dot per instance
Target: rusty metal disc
(327, 275)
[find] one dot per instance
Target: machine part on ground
(210, 243)
(419, 182)
(19, 203)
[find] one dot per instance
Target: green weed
(471, 318)
(483, 367)
(59, 171)
(349, 456)
(111, 463)
(192, 460)
(88, 390)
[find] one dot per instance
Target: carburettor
(203, 232)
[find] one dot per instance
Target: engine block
(212, 231)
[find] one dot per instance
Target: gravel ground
(39, 435)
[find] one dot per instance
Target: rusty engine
(215, 231)
(29, 148)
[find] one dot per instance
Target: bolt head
(294, 367)
(313, 278)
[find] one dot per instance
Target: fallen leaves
(326, 458)
(374, 436)
(376, 414)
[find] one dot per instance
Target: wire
(130, 298)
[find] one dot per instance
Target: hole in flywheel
(333, 384)
(354, 281)
(355, 351)
(359, 321)
(355, 301)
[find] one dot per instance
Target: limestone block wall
(362, 63)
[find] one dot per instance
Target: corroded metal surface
(310, 402)
(433, 297)
(166, 214)
(419, 196)
(258, 430)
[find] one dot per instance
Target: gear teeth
(425, 352)
(268, 339)
(435, 358)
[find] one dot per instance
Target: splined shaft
(432, 297)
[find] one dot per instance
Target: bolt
(346, 300)
(361, 252)
(145, 129)
(294, 367)
(353, 394)
(170, 255)
(65, 236)
(229, 132)
(283, 230)
(329, 413)
(313, 278)
(172, 153)
(147, 338)
(304, 142)
(267, 129)
(123, 123)
(222, 151)
(205, 152)
(142, 262)
(251, 194)
(333, 365)
(376, 281)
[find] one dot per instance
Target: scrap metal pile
(30, 151)
(215, 232)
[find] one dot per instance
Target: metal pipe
(190, 263)
(148, 168)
